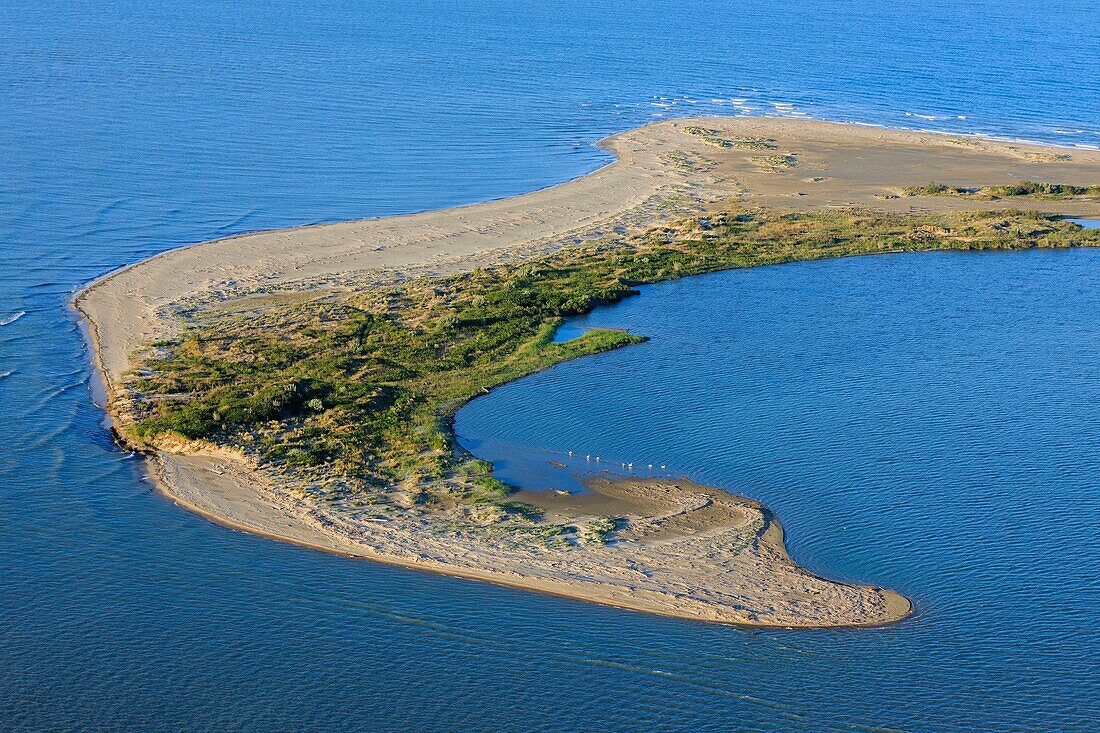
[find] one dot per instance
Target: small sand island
(300, 384)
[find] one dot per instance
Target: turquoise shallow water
(129, 129)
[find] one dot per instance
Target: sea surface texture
(925, 422)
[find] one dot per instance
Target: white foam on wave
(982, 135)
(12, 318)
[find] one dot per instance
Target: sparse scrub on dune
(777, 162)
(935, 189)
(716, 138)
(1023, 189)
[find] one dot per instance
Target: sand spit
(685, 550)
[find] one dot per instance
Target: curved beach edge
(123, 309)
(896, 607)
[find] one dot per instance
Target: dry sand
(688, 551)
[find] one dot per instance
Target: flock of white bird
(589, 458)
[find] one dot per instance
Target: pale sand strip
(660, 170)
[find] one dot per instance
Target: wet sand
(687, 550)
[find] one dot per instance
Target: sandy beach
(691, 551)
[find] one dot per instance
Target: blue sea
(925, 422)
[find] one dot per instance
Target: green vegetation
(936, 189)
(1024, 189)
(715, 138)
(598, 531)
(777, 162)
(350, 395)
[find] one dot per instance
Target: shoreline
(904, 606)
(170, 471)
(965, 135)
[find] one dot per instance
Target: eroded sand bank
(688, 551)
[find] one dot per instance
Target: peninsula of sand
(680, 549)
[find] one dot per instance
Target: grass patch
(1023, 189)
(715, 138)
(777, 162)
